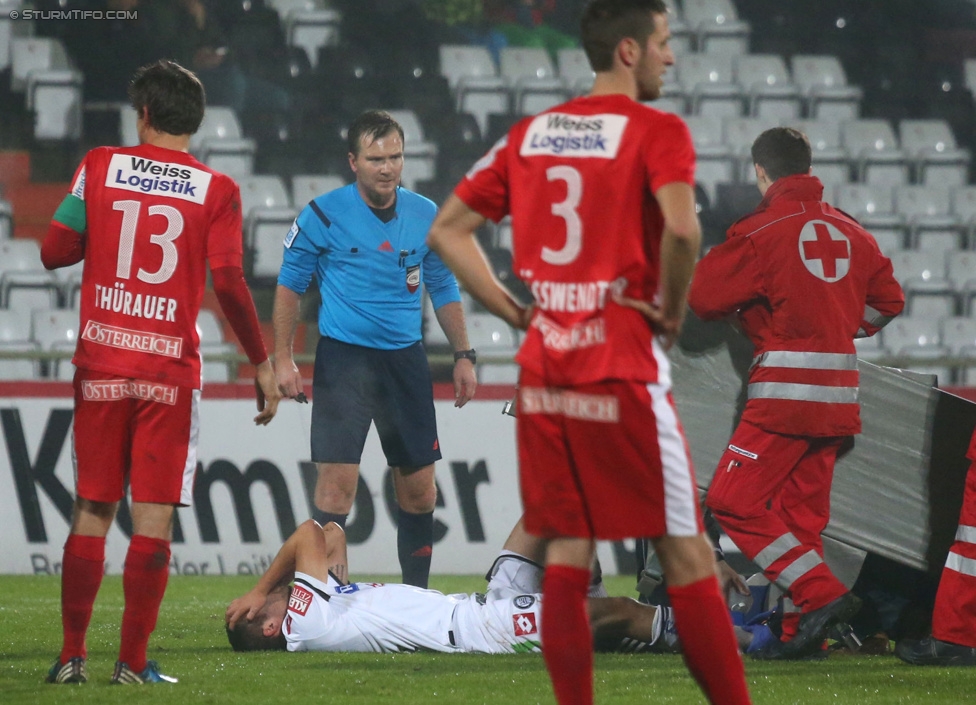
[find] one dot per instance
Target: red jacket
(805, 279)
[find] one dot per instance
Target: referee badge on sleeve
(292, 233)
(413, 278)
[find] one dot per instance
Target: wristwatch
(471, 354)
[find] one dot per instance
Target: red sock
(82, 568)
(708, 642)
(143, 583)
(566, 642)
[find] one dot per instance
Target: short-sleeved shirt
(579, 183)
(372, 617)
(155, 217)
(369, 271)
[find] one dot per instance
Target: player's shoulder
(328, 206)
(413, 203)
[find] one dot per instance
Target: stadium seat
(830, 162)
(267, 191)
(19, 369)
(533, 80)
(419, 155)
(823, 84)
(20, 254)
(433, 333)
(54, 96)
(52, 327)
(29, 54)
(918, 266)
(312, 29)
(928, 215)
(767, 83)
(964, 207)
(958, 332)
(927, 290)
(961, 272)
(490, 335)
(931, 147)
(25, 290)
(969, 74)
(927, 362)
(15, 326)
(503, 234)
(671, 100)
(6, 220)
(264, 236)
(574, 69)
(716, 163)
(219, 142)
(307, 187)
(217, 370)
(717, 26)
(128, 130)
(62, 369)
(873, 148)
(209, 328)
(966, 375)
(870, 348)
(710, 81)
(739, 134)
(874, 208)
(286, 7)
(907, 331)
(460, 60)
(482, 97)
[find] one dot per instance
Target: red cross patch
(524, 623)
(825, 251)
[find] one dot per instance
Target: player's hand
(267, 393)
(288, 376)
(246, 607)
(729, 580)
(525, 318)
(465, 382)
(666, 328)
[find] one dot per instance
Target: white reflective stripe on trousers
(961, 564)
(798, 568)
(776, 550)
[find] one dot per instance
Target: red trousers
(954, 619)
(771, 495)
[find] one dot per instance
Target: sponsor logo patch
(413, 278)
(743, 451)
(300, 600)
(566, 135)
(583, 335)
(78, 189)
(113, 389)
(126, 339)
(524, 623)
(131, 173)
(292, 233)
(524, 602)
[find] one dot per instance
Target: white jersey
(372, 617)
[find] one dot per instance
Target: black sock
(324, 518)
(415, 538)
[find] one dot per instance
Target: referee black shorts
(354, 385)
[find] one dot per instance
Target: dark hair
(372, 124)
(173, 96)
(248, 636)
(782, 151)
(606, 22)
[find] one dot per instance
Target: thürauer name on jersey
(157, 178)
(118, 300)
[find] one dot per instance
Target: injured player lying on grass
(322, 611)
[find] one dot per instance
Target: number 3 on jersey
(164, 240)
(567, 211)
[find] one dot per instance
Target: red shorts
(144, 431)
(606, 460)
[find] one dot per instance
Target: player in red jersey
(146, 221)
(600, 191)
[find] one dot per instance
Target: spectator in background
(146, 250)
(365, 244)
(771, 492)
(523, 23)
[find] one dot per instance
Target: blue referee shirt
(369, 272)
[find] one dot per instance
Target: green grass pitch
(189, 643)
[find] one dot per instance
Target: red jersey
(805, 279)
(579, 182)
(155, 217)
